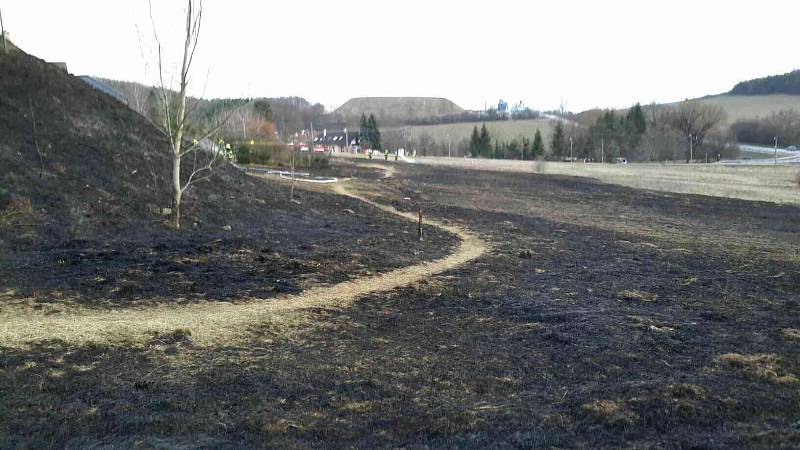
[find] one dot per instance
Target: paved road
(767, 150)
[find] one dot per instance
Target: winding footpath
(216, 323)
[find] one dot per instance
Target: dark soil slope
(99, 166)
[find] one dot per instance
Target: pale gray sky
(590, 53)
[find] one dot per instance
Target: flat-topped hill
(398, 108)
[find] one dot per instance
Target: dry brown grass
(637, 295)
(768, 367)
(749, 106)
(503, 130)
(759, 183)
(18, 208)
(792, 333)
(612, 412)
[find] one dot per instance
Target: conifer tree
(558, 142)
(475, 143)
(537, 148)
(364, 130)
(485, 141)
(374, 132)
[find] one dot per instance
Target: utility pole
(776, 150)
(571, 159)
(602, 149)
(448, 145)
(691, 149)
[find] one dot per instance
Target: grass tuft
(792, 333)
(633, 295)
(18, 208)
(766, 367)
(612, 412)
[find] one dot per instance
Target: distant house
(339, 141)
(502, 106)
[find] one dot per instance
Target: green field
(503, 130)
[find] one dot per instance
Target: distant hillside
(398, 109)
(739, 107)
(289, 114)
(788, 83)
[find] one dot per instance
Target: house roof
(338, 138)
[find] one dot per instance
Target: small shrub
(278, 155)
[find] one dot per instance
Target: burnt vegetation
(602, 316)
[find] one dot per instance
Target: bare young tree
(695, 119)
(205, 155)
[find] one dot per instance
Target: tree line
(788, 83)
(689, 130)
(782, 125)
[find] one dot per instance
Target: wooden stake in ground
(291, 192)
(420, 225)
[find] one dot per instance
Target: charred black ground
(602, 318)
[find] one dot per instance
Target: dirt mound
(75, 162)
(399, 108)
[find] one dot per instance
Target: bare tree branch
(36, 138)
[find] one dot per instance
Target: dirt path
(213, 323)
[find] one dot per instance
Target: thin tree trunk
(180, 125)
(176, 191)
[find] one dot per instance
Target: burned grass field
(602, 316)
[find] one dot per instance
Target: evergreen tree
(537, 148)
(526, 148)
(374, 132)
(485, 141)
(635, 126)
(364, 130)
(475, 143)
(636, 119)
(558, 141)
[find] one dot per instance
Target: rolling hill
(740, 107)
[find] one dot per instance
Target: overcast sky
(588, 53)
